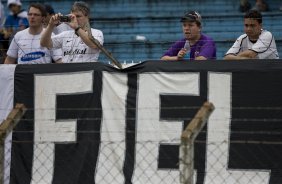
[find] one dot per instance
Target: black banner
(91, 123)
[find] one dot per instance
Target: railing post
(186, 150)
(5, 128)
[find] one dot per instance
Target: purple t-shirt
(205, 47)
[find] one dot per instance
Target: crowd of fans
(40, 35)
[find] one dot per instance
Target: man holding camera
(77, 44)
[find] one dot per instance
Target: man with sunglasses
(256, 43)
(25, 47)
(77, 44)
(194, 45)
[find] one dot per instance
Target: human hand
(55, 20)
(7, 33)
(73, 23)
(181, 53)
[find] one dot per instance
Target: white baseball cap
(17, 2)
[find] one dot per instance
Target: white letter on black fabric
(218, 137)
(47, 130)
(151, 131)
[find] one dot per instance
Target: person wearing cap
(195, 45)
(14, 22)
(17, 20)
(256, 43)
(76, 44)
(60, 27)
(25, 47)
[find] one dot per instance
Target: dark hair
(254, 14)
(40, 7)
(81, 6)
(49, 9)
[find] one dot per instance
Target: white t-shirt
(74, 49)
(26, 47)
(60, 28)
(265, 46)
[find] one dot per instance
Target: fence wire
(149, 155)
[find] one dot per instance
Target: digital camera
(65, 18)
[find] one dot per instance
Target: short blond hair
(81, 6)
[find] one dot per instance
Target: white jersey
(265, 46)
(60, 28)
(74, 49)
(26, 47)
